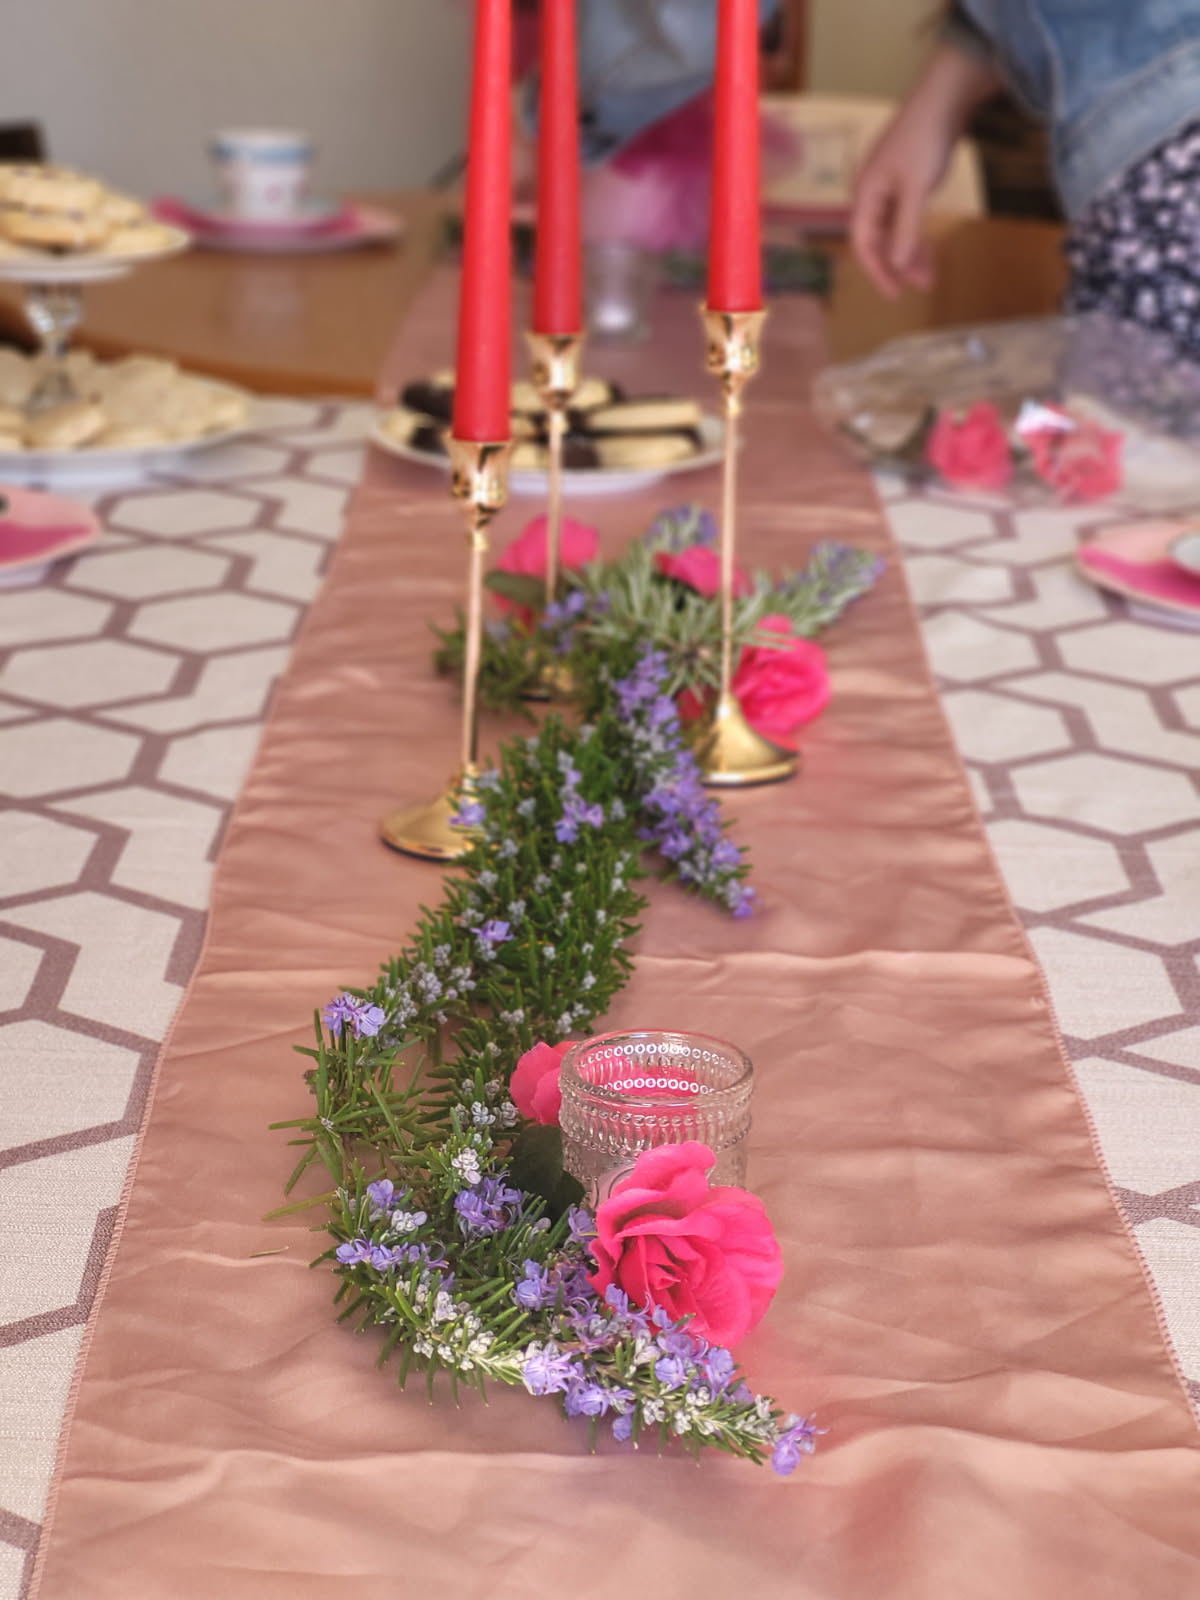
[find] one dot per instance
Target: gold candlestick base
(731, 754)
(479, 480)
(728, 751)
(427, 831)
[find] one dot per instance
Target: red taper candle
(557, 296)
(734, 248)
(482, 374)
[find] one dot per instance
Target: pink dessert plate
(1155, 562)
(321, 227)
(37, 528)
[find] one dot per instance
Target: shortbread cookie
(653, 414)
(415, 430)
(138, 239)
(65, 427)
(54, 230)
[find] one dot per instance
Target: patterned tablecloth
(133, 683)
(1080, 729)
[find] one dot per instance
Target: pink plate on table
(37, 528)
(321, 226)
(1147, 563)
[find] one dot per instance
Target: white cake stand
(54, 287)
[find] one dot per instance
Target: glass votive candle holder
(623, 1093)
(620, 279)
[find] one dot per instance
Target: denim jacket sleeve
(958, 29)
(639, 60)
(1111, 78)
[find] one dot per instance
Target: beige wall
(131, 88)
(867, 46)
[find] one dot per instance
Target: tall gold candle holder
(555, 376)
(479, 481)
(728, 750)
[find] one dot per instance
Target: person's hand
(907, 163)
(891, 193)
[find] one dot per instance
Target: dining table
(970, 995)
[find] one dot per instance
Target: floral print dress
(1135, 253)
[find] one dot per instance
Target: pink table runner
(962, 1302)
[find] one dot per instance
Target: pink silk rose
(1081, 463)
(971, 451)
(526, 556)
(780, 688)
(535, 1087)
(668, 1240)
(700, 568)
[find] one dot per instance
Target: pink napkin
(1134, 559)
(36, 528)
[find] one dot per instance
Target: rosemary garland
(454, 1228)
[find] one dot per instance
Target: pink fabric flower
(667, 1239)
(778, 689)
(535, 1086)
(1080, 464)
(971, 451)
(700, 568)
(526, 555)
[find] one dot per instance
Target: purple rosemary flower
(471, 814)
(623, 1427)
(678, 815)
(383, 1257)
(560, 613)
(798, 1438)
(636, 1321)
(363, 1019)
(592, 1331)
(486, 1207)
(546, 1371)
(492, 934)
(576, 813)
(585, 1398)
(382, 1195)
(717, 1369)
(581, 1225)
(672, 1372)
(681, 526)
(353, 1251)
(678, 1342)
(535, 1289)
(744, 900)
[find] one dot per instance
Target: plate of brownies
(615, 442)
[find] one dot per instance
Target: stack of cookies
(52, 210)
(140, 403)
(608, 431)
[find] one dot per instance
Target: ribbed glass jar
(623, 1093)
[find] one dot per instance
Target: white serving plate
(86, 266)
(67, 468)
(577, 480)
(1185, 551)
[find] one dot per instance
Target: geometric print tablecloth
(133, 684)
(1080, 729)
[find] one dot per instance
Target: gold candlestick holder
(555, 376)
(728, 750)
(479, 481)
